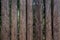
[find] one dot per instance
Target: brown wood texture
(22, 31)
(29, 20)
(5, 29)
(38, 17)
(56, 20)
(48, 20)
(14, 20)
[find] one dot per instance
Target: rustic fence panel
(49, 8)
(14, 20)
(5, 29)
(22, 31)
(56, 20)
(48, 20)
(38, 17)
(29, 20)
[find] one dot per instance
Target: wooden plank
(48, 20)
(14, 20)
(22, 31)
(29, 20)
(56, 20)
(38, 16)
(5, 29)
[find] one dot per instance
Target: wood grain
(14, 20)
(48, 20)
(56, 20)
(38, 17)
(29, 20)
(5, 29)
(22, 31)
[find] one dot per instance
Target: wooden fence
(32, 14)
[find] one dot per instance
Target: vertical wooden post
(5, 29)
(14, 20)
(48, 20)
(56, 20)
(38, 16)
(29, 20)
(22, 31)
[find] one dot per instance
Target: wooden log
(48, 20)
(5, 29)
(38, 17)
(22, 31)
(29, 20)
(56, 20)
(14, 20)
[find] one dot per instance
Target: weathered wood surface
(14, 20)
(29, 20)
(56, 20)
(5, 29)
(22, 31)
(48, 20)
(26, 20)
(38, 16)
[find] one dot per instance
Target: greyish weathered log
(48, 20)
(29, 20)
(5, 29)
(56, 20)
(38, 16)
(22, 31)
(14, 20)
